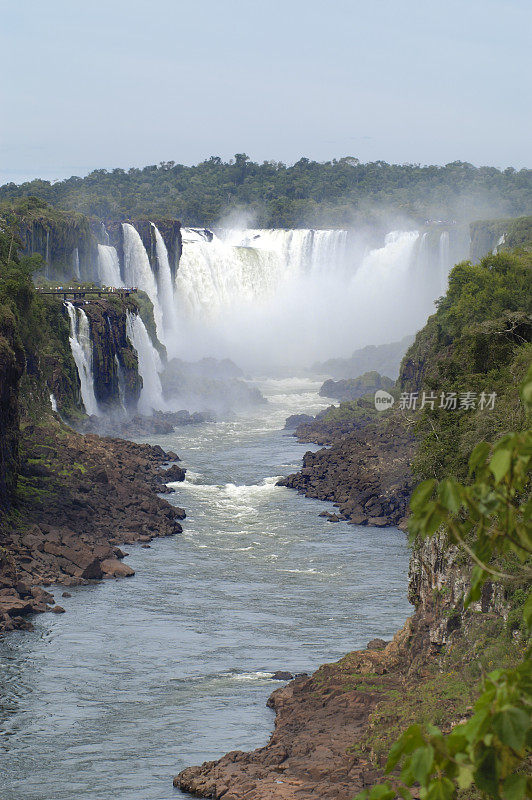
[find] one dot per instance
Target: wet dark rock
(99, 493)
(174, 473)
(376, 644)
(116, 568)
(282, 676)
(364, 470)
(295, 420)
(353, 388)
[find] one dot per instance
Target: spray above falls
(276, 298)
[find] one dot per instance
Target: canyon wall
(11, 369)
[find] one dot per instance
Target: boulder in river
(116, 568)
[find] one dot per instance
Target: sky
(121, 83)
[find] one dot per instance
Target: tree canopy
(336, 193)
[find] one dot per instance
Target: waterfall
(121, 383)
(151, 396)
(104, 235)
(215, 275)
(299, 249)
(138, 272)
(81, 345)
(444, 259)
(272, 298)
(165, 291)
(75, 263)
(246, 266)
(53, 402)
(108, 266)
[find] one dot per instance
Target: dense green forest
(336, 193)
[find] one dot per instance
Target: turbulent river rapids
(142, 677)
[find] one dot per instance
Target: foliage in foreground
(491, 519)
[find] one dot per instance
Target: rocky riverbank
(79, 499)
(319, 721)
(364, 470)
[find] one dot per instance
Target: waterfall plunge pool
(142, 677)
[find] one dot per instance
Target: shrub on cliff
(477, 341)
(491, 519)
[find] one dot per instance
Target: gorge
(182, 657)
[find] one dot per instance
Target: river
(144, 676)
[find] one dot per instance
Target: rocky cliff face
(439, 580)
(65, 240)
(68, 242)
(11, 369)
(117, 382)
(497, 234)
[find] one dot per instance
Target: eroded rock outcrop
(81, 497)
(365, 471)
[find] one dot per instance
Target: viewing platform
(78, 293)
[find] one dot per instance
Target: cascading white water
(108, 266)
(444, 259)
(121, 383)
(151, 396)
(215, 275)
(300, 249)
(138, 272)
(273, 298)
(75, 263)
(81, 346)
(165, 291)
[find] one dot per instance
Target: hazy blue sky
(122, 82)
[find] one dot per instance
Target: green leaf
(442, 789)
(478, 456)
(421, 494)
(409, 741)
(404, 792)
(500, 463)
(487, 775)
(464, 777)
(421, 763)
(449, 494)
(511, 727)
(432, 519)
(478, 576)
(382, 791)
(526, 389)
(514, 787)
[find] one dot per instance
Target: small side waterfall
(165, 290)
(108, 266)
(150, 365)
(81, 345)
(444, 259)
(121, 383)
(138, 272)
(75, 263)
